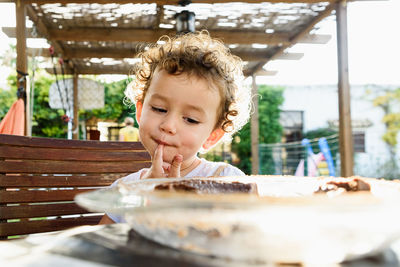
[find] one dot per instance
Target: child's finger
(175, 170)
(157, 164)
(166, 166)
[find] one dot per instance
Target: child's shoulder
(209, 168)
(129, 178)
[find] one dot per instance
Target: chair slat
(37, 153)
(70, 167)
(22, 181)
(26, 141)
(44, 210)
(36, 196)
(40, 226)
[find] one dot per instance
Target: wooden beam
(11, 32)
(171, 2)
(21, 44)
(160, 15)
(162, 2)
(42, 28)
(22, 66)
(110, 34)
(315, 39)
(254, 125)
(132, 53)
(264, 72)
(249, 37)
(151, 36)
(98, 70)
(135, 35)
(43, 31)
(101, 53)
(75, 124)
(345, 130)
(75, 53)
(43, 52)
(290, 56)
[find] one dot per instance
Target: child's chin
(168, 159)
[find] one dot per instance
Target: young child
(189, 96)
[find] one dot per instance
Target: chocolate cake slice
(208, 187)
(345, 184)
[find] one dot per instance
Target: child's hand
(175, 169)
(158, 168)
(161, 169)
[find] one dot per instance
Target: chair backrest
(39, 178)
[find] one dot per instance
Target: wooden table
(117, 245)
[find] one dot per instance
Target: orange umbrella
(14, 121)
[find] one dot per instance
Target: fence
(284, 158)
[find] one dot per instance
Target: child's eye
(159, 110)
(191, 121)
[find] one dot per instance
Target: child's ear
(139, 106)
(214, 137)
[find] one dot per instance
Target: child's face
(180, 112)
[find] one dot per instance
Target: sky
(374, 49)
(373, 40)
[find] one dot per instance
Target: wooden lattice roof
(104, 37)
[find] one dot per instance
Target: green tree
(389, 101)
(116, 107)
(9, 57)
(7, 98)
(46, 122)
(270, 130)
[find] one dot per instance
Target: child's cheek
(190, 139)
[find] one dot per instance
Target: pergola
(104, 37)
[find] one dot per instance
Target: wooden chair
(39, 178)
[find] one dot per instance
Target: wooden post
(75, 127)
(22, 67)
(345, 131)
(28, 115)
(255, 161)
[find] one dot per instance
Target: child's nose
(168, 125)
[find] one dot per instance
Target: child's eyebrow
(196, 108)
(158, 96)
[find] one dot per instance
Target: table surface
(117, 245)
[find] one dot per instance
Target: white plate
(286, 223)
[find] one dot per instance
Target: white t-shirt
(204, 169)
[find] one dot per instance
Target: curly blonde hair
(200, 55)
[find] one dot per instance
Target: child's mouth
(162, 143)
